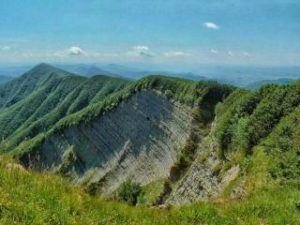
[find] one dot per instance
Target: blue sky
(152, 32)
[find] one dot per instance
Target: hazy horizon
(162, 34)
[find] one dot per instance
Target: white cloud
(140, 51)
(27, 54)
(64, 53)
(214, 51)
(176, 54)
(211, 25)
(5, 48)
(230, 53)
(58, 54)
(141, 48)
(76, 51)
(246, 54)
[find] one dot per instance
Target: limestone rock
(140, 140)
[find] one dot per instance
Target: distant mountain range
(242, 76)
(14, 71)
(260, 83)
(85, 70)
(123, 71)
(245, 76)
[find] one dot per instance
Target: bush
(130, 192)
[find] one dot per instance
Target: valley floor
(28, 197)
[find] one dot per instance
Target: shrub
(130, 192)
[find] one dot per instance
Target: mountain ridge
(51, 88)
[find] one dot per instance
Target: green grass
(151, 191)
(32, 198)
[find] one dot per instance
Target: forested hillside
(35, 101)
(259, 131)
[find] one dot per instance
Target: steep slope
(139, 139)
(42, 96)
(253, 144)
(137, 133)
(22, 96)
(31, 198)
(257, 133)
(21, 87)
(200, 182)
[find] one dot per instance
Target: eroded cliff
(139, 139)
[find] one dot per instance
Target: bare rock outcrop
(201, 182)
(140, 140)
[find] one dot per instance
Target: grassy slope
(259, 131)
(31, 198)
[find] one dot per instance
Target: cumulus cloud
(76, 51)
(65, 53)
(140, 51)
(176, 54)
(211, 25)
(214, 51)
(141, 48)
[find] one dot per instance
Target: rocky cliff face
(202, 181)
(140, 140)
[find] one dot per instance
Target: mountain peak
(44, 66)
(44, 69)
